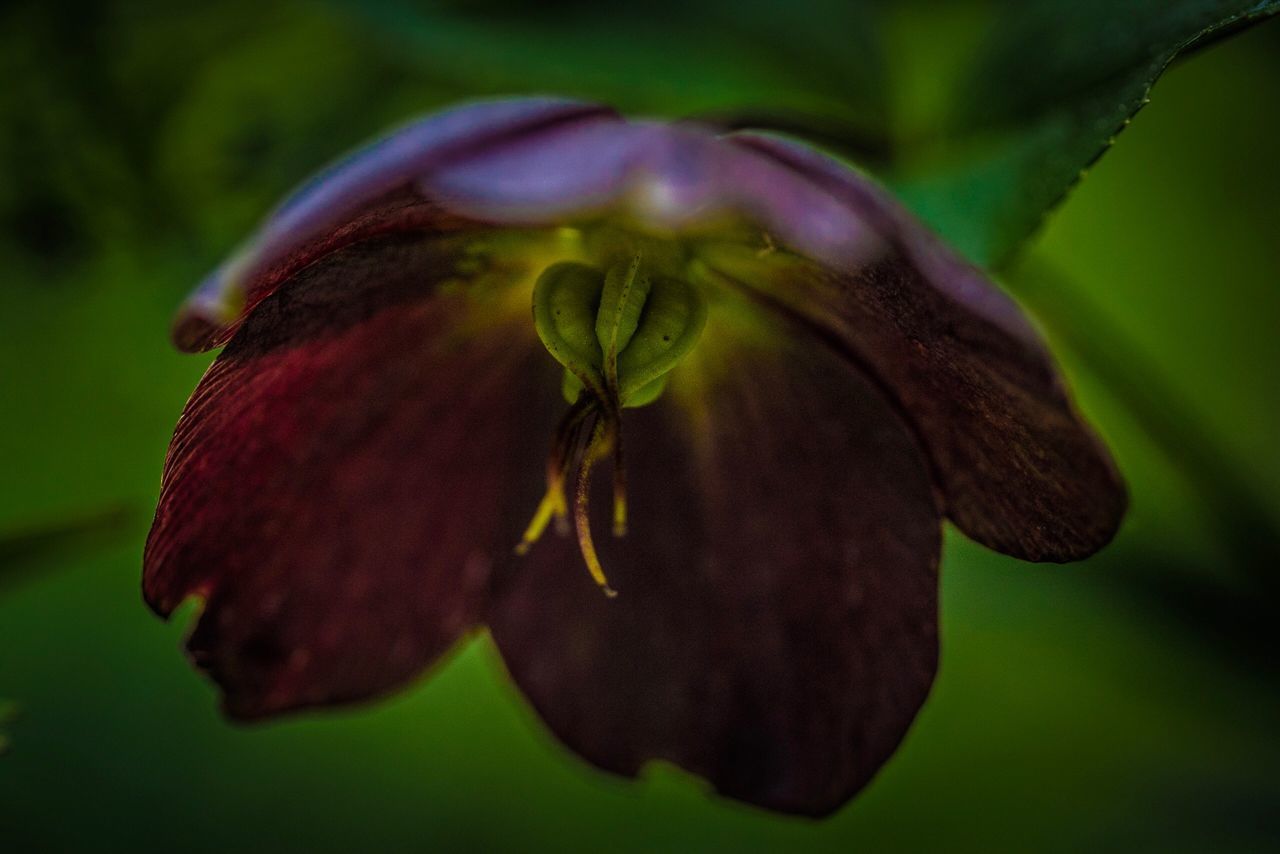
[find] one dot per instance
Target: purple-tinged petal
(568, 172)
(962, 283)
(531, 163)
(775, 629)
(1019, 470)
(416, 148)
(334, 489)
(666, 178)
(368, 192)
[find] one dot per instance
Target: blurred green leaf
(1054, 84)
(138, 150)
(816, 59)
(8, 713)
(240, 139)
(26, 550)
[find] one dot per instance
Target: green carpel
(617, 332)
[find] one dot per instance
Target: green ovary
(618, 332)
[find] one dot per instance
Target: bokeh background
(1126, 703)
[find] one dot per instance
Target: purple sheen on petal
(664, 177)
(396, 160)
(802, 216)
(959, 280)
(775, 629)
(346, 191)
(334, 489)
(406, 151)
(679, 178)
(693, 171)
(565, 172)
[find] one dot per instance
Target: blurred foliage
(1125, 703)
(819, 61)
(8, 713)
(27, 551)
(1050, 87)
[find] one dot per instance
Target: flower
(807, 383)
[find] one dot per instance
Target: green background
(1125, 703)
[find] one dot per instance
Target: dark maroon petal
(1019, 469)
(337, 484)
(775, 629)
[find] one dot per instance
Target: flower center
(618, 332)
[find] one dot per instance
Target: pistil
(618, 333)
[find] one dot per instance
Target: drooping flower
(432, 345)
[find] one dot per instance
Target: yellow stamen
(596, 451)
(553, 505)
